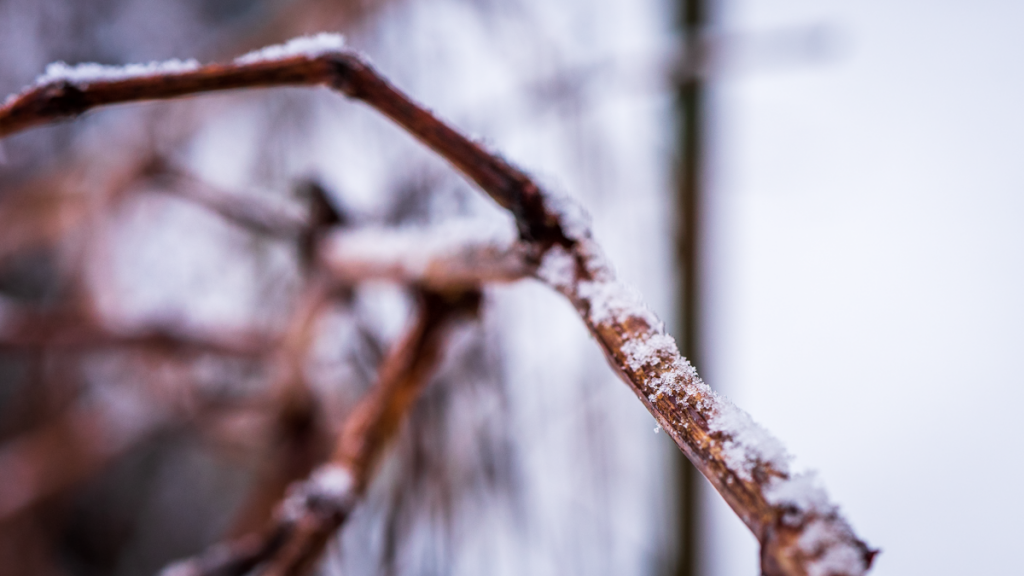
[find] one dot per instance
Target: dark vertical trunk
(690, 103)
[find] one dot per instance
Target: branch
(23, 327)
(258, 215)
(440, 258)
(800, 532)
(317, 507)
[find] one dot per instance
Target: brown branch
(317, 507)
(801, 534)
(27, 328)
(415, 257)
(246, 211)
(74, 444)
(299, 437)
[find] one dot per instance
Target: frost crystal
(613, 301)
(801, 491)
(746, 443)
(311, 46)
(91, 72)
(650, 351)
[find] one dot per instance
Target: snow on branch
(458, 254)
(801, 534)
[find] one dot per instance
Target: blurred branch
(25, 327)
(249, 212)
(300, 438)
(316, 508)
(72, 445)
(417, 257)
(800, 532)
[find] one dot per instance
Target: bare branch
(317, 507)
(23, 327)
(417, 257)
(247, 211)
(801, 533)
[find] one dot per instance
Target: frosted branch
(799, 536)
(458, 255)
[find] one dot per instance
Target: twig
(23, 327)
(317, 507)
(800, 532)
(247, 211)
(299, 437)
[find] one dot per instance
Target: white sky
(867, 235)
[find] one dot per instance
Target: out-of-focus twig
(72, 445)
(299, 437)
(424, 257)
(24, 327)
(315, 508)
(800, 532)
(259, 215)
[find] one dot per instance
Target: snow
(573, 217)
(310, 46)
(89, 72)
(800, 491)
(331, 485)
(827, 538)
(613, 302)
(558, 268)
(331, 482)
(414, 248)
(829, 544)
(657, 348)
(747, 443)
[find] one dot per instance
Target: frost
(649, 351)
(828, 543)
(331, 485)
(91, 72)
(558, 268)
(613, 301)
(415, 248)
(573, 218)
(827, 539)
(746, 443)
(331, 482)
(801, 491)
(311, 46)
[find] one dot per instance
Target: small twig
(317, 507)
(800, 532)
(74, 444)
(23, 327)
(299, 437)
(247, 211)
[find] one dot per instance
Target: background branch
(317, 507)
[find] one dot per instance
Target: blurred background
(820, 198)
